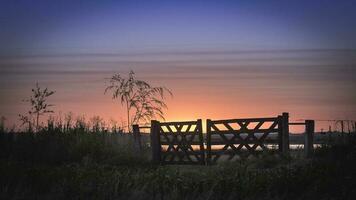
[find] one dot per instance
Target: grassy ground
(79, 165)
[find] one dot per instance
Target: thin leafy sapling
(147, 102)
(39, 106)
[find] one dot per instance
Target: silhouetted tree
(39, 105)
(146, 101)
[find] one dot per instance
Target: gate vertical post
(201, 139)
(208, 142)
(137, 137)
(155, 141)
(280, 146)
(308, 138)
(285, 133)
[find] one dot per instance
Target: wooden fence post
(280, 146)
(208, 142)
(137, 137)
(309, 138)
(155, 141)
(201, 139)
(285, 134)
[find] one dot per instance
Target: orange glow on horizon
(206, 90)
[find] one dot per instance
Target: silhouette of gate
(241, 138)
(178, 142)
(183, 142)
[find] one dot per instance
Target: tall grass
(71, 139)
(91, 180)
(78, 161)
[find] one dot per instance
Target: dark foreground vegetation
(77, 164)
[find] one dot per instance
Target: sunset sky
(221, 59)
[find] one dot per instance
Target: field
(78, 164)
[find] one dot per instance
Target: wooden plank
(285, 134)
(296, 123)
(280, 131)
(228, 142)
(178, 133)
(177, 143)
(261, 142)
(275, 130)
(309, 135)
(243, 125)
(285, 117)
(178, 123)
(222, 142)
(258, 127)
(208, 141)
(267, 119)
(187, 138)
(137, 138)
(230, 151)
(228, 126)
(200, 127)
(199, 153)
(155, 141)
(258, 134)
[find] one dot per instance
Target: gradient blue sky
(102, 26)
(228, 58)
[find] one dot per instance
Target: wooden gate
(183, 142)
(177, 142)
(241, 138)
